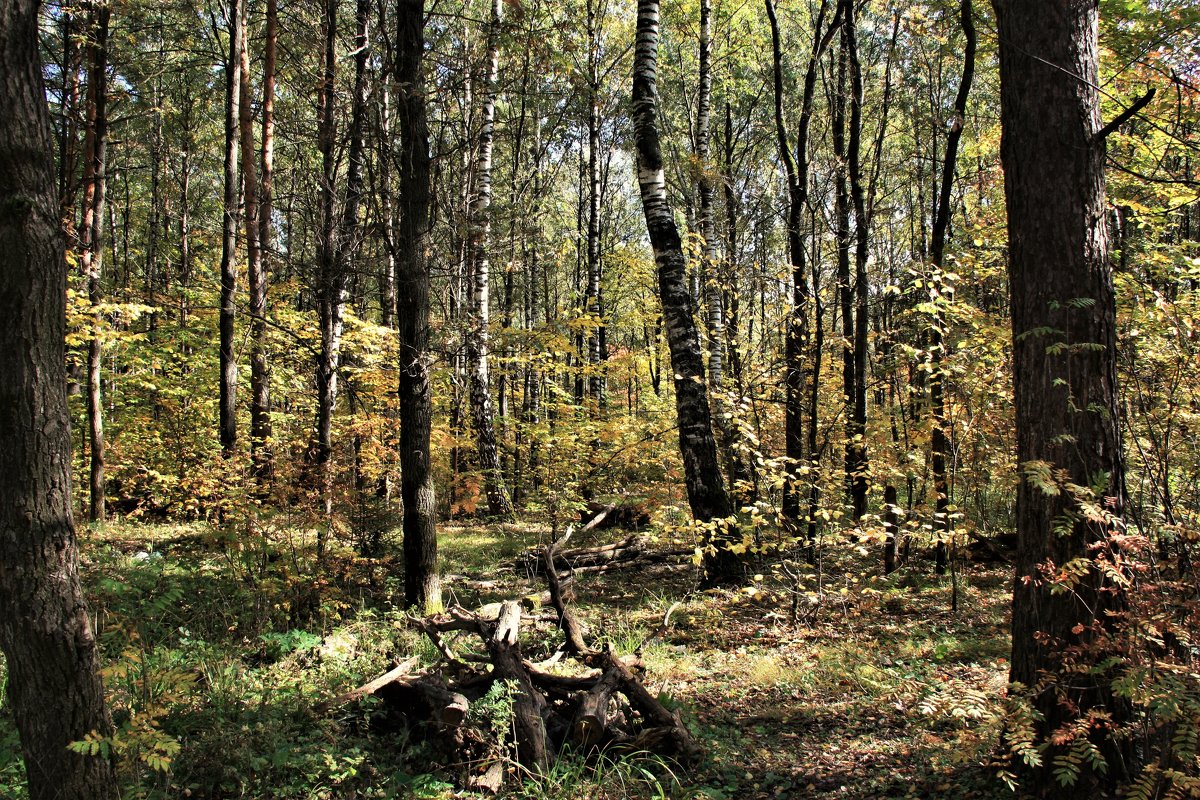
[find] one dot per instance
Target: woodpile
(582, 698)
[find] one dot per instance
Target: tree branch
(1123, 117)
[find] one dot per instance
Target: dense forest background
(234, 184)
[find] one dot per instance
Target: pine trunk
(92, 229)
(54, 689)
(1064, 349)
(421, 585)
(228, 366)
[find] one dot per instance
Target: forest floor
(219, 653)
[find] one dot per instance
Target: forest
(599, 399)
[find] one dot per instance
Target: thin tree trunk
(54, 686)
(499, 503)
(800, 360)
(260, 419)
(939, 444)
(705, 485)
(856, 334)
(421, 584)
(92, 229)
(593, 303)
(228, 366)
(706, 194)
(331, 279)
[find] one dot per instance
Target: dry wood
(631, 552)
(528, 702)
(370, 687)
(591, 721)
(606, 706)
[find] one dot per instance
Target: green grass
(229, 646)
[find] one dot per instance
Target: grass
(217, 657)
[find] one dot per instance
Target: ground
(820, 681)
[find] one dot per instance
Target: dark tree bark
(227, 426)
(1064, 367)
(95, 195)
(939, 444)
(705, 484)
(258, 189)
(856, 331)
(803, 360)
(480, 241)
(53, 685)
(421, 584)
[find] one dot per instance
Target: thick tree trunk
(95, 194)
(54, 687)
(421, 584)
(705, 484)
(1064, 367)
(477, 343)
(228, 366)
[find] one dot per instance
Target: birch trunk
(228, 366)
(499, 503)
(705, 485)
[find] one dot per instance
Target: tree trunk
(705, 484)
(421, 584)
(939, 444)
(1064, 366)
(802, 361)
(481, 226)
(54, 687)
(706, 195)
(255, 221)
(92, 229)
(593, 303)
(856, 333)
(228, 367)
(331, 278)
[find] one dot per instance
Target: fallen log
(629, 553)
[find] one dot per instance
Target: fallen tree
(601, 704)
(634, 551)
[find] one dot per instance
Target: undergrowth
(218, 653)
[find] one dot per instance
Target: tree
(803, 359)
(95, 179)
(258, 206)
(227, 425)
(941, 223)
(421, 584)
(1070, 503)
(480, 241)
(45, 634)
(705, 485)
